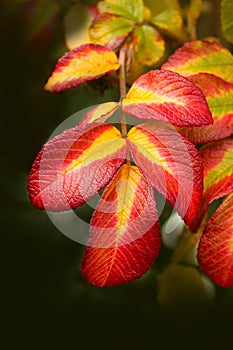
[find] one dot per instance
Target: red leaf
(171, 163)
(124, 234)
(215, 251)
(74, 166)
(167, 96)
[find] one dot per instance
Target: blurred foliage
(44, 302)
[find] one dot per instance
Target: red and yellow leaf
(219, 95)
(169, 97)
(124, 231)
(74, 166)
(86, 62)
(202, 57)
(149, 45)
(217, 159)
(131, 9)
(171, 163)
(215, 251)
(110, 30)
(100, 113)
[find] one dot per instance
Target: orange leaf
(124, 234)
(85, 63)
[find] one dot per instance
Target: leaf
(170, 21)
(167, 96)
(131, 9)
(100, 113)
(76, 23)
(181, 290)
(156, 7)
(202, 56)
(227, 19)
(219, 95)
(171, 163)
(217, 159)
(124, 233)
(74, 166)
(215, 251)
(149, 45)
(85, 63)
(110, 30)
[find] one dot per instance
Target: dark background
(44, 302)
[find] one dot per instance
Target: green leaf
(157, 7)
(110, 30)
(149, 45)
(227, 19)
(170, 21)
(131, 9)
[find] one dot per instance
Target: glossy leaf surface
(124, 231)
(169, 97)
(74, 166)
(219, 95)
(171, 163)
(202, 56)
(215, 251)
(86, 62)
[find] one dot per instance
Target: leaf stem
(122, 61)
